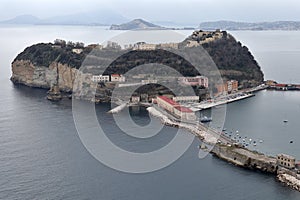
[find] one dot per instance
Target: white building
(149, 81)
(144, 46)
(170, 45)
(113, 45)
(117, 78)
(77, 50)
(100, 78)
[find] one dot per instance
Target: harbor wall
(245, 158)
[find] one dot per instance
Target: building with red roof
(175, 108)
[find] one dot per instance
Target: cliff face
(25, 72)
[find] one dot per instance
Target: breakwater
(236, 154)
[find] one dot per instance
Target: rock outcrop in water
(46, 64)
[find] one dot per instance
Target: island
(46, 65)
(137, 24)
(55, 66)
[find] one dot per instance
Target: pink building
(194, 81)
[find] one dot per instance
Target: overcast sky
(193, 11)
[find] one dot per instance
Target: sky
(181, 11)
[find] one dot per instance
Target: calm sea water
(42, 157)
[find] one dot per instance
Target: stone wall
(245, 158)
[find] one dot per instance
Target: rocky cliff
(27, 73)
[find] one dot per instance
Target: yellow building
(286, 161)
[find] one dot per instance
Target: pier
(118, 108)
(228, 150)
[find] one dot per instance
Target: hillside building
(194, 81)
(117, 78)
(100, 78)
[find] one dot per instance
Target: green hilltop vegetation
(232, 58)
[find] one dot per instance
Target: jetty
(118, 109)
(227, 149)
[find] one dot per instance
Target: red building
(175, 108)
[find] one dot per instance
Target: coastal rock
(289, 180)
(54, 94)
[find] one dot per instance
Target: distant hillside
(231, 25)
(22, 19)
(136, 24)
(102, 17)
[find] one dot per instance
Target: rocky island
(46, 65)
(136, 24)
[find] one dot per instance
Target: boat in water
(205, 119)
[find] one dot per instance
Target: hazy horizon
(179, 11)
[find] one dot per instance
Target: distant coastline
(247, 26)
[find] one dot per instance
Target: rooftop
(183, 109)
(286, 156)
(168, 100)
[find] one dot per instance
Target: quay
(223, 147)
(284, 167)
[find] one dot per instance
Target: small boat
(285, 121)
(261, 141)
(291, 142)
(203, 146)
(205, 119)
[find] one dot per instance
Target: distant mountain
(136, 24)
(231, 25)
(22, 19)
(102, 17)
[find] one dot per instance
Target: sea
(42, 156)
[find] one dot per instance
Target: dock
(228, 150)
(118, 109)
